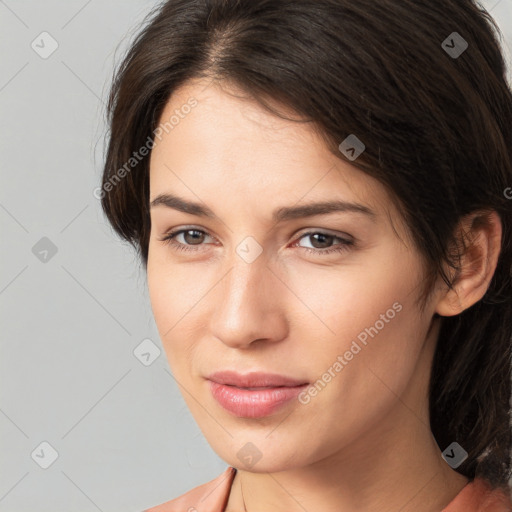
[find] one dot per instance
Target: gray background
(71, 319)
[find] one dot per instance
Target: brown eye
(321, 240)
(185, 239)
(195, 238)
(322, 243)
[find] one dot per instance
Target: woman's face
(326, 299)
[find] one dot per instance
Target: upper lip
(254, 379)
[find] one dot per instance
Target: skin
(363, 443)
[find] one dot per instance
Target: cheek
(172, 299)
(357, 384)
(366, 333)
(340, 302)
(173, 289)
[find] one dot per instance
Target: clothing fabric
(476, 496)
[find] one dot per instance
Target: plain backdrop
(91, 417)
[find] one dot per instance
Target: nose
(249, 305)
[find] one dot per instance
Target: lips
(255, 380)
(254, 395)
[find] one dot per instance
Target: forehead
(228, 145)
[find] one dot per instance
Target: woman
(319, 191)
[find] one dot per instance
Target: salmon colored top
(476, 496)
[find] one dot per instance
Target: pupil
(322, 236)
(196, 237)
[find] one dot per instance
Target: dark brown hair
(437, 127)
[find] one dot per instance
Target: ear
(479, 241)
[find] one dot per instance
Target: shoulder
(480, 496)
(211, 496)
(494, 499)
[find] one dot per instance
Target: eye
(321, 239)
(192, 239)
(190, 235)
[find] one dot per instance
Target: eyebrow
(279, 215)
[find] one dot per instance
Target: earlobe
(479, 239)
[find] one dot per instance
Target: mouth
(255, 380)
(253, 395)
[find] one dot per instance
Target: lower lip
(247, 403)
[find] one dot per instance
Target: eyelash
(345, 244)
